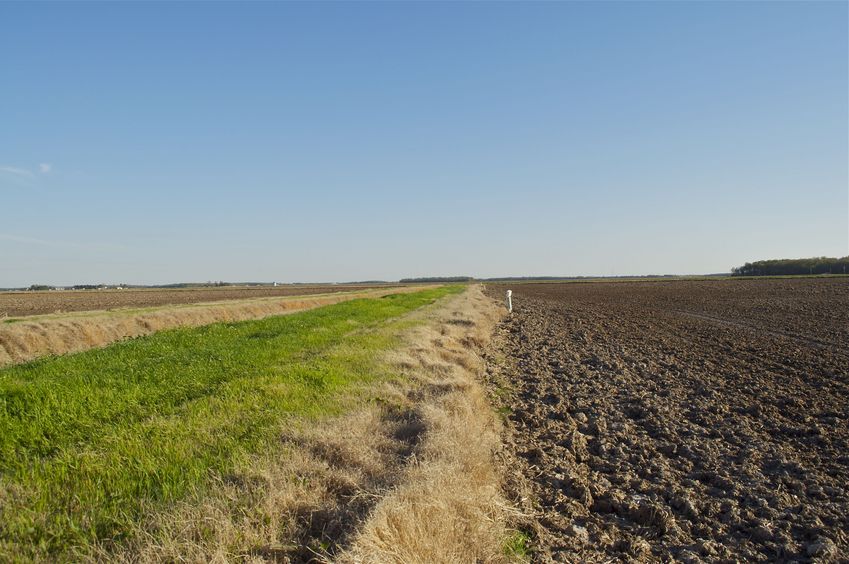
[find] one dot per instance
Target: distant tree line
(436, 279)
(788, 267)
(218, 284)
(449, 279)
(44, 287)
(579, 278)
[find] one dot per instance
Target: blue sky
(164, 142)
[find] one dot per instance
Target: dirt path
(650, 435)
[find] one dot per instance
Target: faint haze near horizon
(167, 142)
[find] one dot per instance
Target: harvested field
(699, 421)
(21, 304)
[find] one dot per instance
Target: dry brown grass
(405, 477)
(295, 504)
(449, 506)
(29, 339)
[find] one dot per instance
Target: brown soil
(20, 304)
(700, 421)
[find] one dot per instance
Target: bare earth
(700, 421)
(20, 304)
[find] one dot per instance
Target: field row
(20, 304)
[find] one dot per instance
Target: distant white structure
(510, 301)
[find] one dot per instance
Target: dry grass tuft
(28, 339)
(296, 504)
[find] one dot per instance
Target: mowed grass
(91, 442)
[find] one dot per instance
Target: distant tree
(789, 267)
(40, 287)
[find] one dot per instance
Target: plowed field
(701, 421)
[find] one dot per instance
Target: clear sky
(163, 142)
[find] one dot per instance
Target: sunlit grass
(89, 442)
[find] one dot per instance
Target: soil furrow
(650, 435)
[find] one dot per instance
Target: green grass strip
(90, 441)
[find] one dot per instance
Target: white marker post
(510, 301)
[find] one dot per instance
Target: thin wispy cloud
(24, 176)
(16, 171)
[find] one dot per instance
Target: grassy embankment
(91, 442)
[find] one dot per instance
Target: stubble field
(700, 421)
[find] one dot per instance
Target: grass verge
(92, 442)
